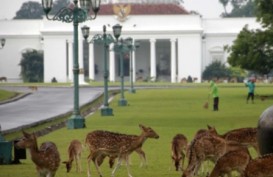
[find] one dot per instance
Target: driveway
(40, 105)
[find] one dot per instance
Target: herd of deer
(229, 152)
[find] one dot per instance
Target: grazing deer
(74, 151)
(179, 148)
(4, 79)
(246, 136)
(232, 161)
(33, 88)
(105, 143)
(46, 158)
(207, 147)
(202, 132)
(260, 167)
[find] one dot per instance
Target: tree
(215, 70)
(32, 66)
(265, 12)
(253, 50)
(34, 10)
(240, 8)
(30, 10)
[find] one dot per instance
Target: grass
(168, 112)
(5, 95)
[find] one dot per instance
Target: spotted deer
(207, 147)
(246, 136)
(232, 161)
(179, 147)
(46, 158)
(74, 152)
(139, 151)
(260, 167)
(105, 143)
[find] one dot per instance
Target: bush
(32, 66)
(216, 70)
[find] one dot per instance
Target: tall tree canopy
(265, 12)
(34, 10)
(240, 8)
(253, 49)
(30, 10)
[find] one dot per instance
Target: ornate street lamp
(120, 48)
(3, 42)
(132, 47)
(74, 15)
(106, 40)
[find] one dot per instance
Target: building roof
(146, 9)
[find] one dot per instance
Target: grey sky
(208, 8)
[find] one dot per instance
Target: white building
(173, 43)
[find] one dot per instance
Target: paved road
(41, 105)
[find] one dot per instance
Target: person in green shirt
(215, 95)
(251, 88)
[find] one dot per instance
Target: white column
(81, 74)
(70, 60)
(153, 59)
(173, 61)
(91, 62)
(134, 65)
(112, 63)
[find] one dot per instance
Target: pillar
(153, 59)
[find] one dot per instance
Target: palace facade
(174, 43)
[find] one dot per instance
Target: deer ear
(209, 127)
(141, 126)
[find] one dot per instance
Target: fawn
(105, 143)
(46, 158)
(179, 148)
(74, 151)
(233, 160)
(260, 167)
(207, 147)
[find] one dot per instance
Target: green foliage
(264, 14)
(30, 10)
(252, 51)
(34, 10)
(215, 70)
(241, 8)
(58, 4)
(32, 66)
(237, 72)
(168, 112)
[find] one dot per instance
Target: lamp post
(120, 48)
(106, 40)
(132, 47)
(74, 15)
(3, 42)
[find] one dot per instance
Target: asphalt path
(41, 105)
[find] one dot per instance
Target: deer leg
(79, 162)
(88, 165)
(142, 157)
(183, 159)
(117, 166)
(97, 166)
(128, 168)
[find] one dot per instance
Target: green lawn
(5, 95)
(168, 112)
